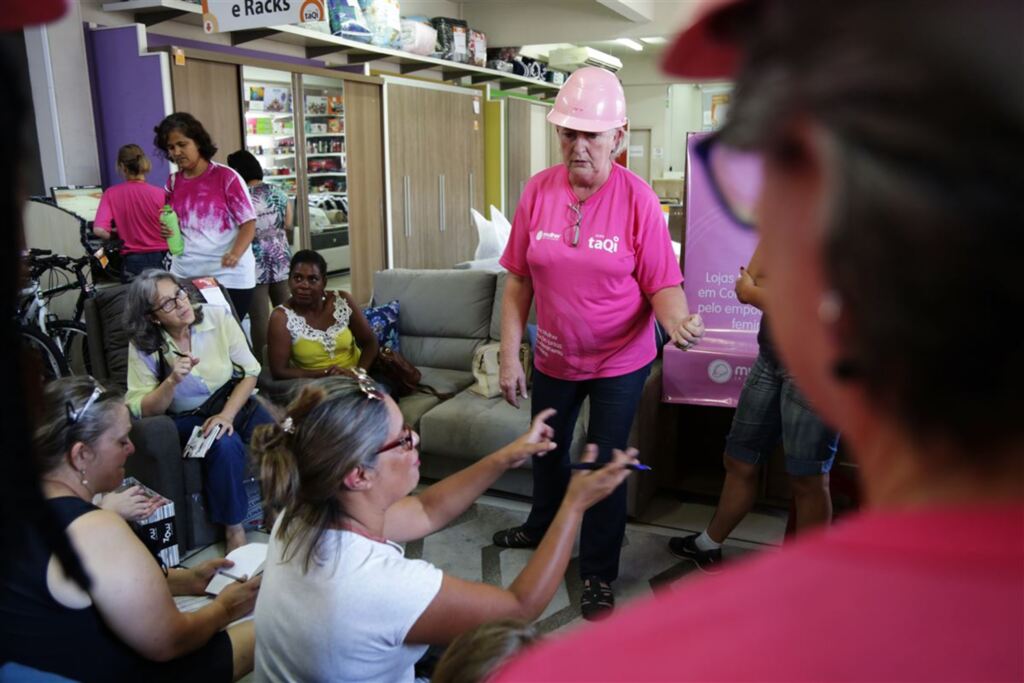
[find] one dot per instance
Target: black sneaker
(516, 537)
(709, 561)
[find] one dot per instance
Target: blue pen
(639, 467)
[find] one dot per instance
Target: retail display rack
(330, 49)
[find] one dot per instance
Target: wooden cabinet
(211, 92)
(365, 125)
(435, 153)
(532, 146)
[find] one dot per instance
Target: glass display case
(270, 125)
(325, 168)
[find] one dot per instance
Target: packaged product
(556, 77)
(477, 48)
(500, 65)
(505, 54)
(347, 20)
(384, 20)
(418, 36)
(452, 39)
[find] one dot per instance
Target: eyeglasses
(736, 177)
(180, 297)
(407, 441)
(577, 209)
(367, 385)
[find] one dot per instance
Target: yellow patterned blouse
(314, 349)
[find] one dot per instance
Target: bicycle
(61, 346)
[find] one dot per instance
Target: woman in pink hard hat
(590, 248)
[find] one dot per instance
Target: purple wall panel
(127, 92)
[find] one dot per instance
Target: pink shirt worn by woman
(133, 209)
(210, 209)
(593, 315)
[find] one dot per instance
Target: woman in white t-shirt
(214, 210)
(339, 600)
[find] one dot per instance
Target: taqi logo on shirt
(600, 243)
(541, 235)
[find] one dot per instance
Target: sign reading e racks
(233, 15)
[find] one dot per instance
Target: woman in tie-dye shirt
(274, 224)
(214, 210)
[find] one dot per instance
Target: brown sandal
(516, 537)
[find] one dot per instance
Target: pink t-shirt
(133, 209)
(593, 316)
(210, 208)
(915, 595)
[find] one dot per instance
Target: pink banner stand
(712, 373)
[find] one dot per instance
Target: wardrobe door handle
(408, 206)
(440, 189)
(472, 196)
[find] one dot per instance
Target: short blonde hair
(133, 160)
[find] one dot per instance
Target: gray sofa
(444, 315)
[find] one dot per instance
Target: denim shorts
(770, 408)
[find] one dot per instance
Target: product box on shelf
(335, 104)
(324, 165)
(452, 39)
(277, 99)
(335, 125)
(316, 105)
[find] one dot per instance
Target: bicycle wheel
(40, 351)
(72, 341)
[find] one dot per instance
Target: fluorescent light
(655, 40)
(630, 43)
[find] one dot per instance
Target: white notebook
(248, 561)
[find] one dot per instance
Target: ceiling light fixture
(630, 43)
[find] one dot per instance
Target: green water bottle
(169, 219)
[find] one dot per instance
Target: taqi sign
(234, 15)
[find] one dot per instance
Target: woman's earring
(830, 308)
(85, 482)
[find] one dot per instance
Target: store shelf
(258, 114)
(275, 156)
(325, 135)
(324, 154)
(329, 48)
(324, 116)
(325, 174)
(274, 176)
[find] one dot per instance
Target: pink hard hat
(591, 100)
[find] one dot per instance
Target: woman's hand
(199, 576)
(132, 504)
(239, 598)
(511, 378)
(182, 368)
(536, 441)
(589, 487)
(226, 423)
(744, 284)
(688, 332)
(229, 260)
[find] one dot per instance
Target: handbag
(403, 377)
(214, 405)
(487, 368)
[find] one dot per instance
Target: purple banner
(713, 372)
(716, 247)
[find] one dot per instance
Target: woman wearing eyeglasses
(340, 602)
(124, 626)
(590, 248)
(180, 357)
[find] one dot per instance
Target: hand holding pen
(182, 367)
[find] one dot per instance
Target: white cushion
(502, 228)
(488, 246)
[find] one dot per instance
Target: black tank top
(38, 631)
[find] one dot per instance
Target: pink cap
(701, 53)
(591, 100)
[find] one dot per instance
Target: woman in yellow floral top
(317, 333)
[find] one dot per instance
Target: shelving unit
(331, 49)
